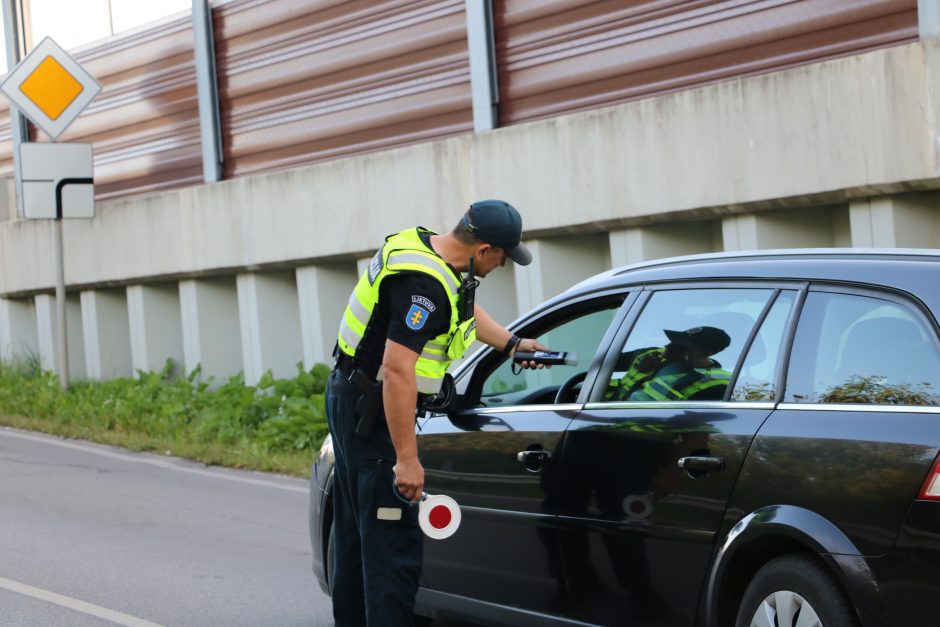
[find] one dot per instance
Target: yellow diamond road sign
(50, 87)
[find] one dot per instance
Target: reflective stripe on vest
(678, 386)
(620, 389)
(402, 253)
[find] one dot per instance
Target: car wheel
(795, 591)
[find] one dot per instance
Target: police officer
(410, 315)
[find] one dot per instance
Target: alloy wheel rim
(785, 609)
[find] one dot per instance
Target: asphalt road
(93, 535)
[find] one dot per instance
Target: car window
(860, 349)
(685, 345)
(757, 378)
(581, 333)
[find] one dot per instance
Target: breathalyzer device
(549, 358)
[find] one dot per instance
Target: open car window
(580, 329)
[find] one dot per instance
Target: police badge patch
(416, 317)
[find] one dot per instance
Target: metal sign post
(56, 180)
(62, 340)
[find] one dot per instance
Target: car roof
(915, 271)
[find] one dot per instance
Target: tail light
(931, 489)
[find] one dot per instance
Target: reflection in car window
(685, 344)
(582, 334)
(757, 379)
(858, 349)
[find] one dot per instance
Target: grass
(276, 426)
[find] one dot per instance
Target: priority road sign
(50, 87)
(57, 180)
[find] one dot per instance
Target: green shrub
(232, 423)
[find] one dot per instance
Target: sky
(73, 24)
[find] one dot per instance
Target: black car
(802, 489)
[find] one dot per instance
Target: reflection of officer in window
(695, 376)
(640, 366)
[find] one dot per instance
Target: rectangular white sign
(57, 180)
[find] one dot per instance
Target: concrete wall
(820, 134)
(841, 153)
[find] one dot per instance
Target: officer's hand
(409, 479)
(530, 344)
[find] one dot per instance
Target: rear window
(862, 350)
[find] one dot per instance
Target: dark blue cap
(710, 339)
(497, 223)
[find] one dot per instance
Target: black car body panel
(582, 509)
(321, 512)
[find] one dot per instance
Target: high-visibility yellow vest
(681, 385)
(405, 253)
(620, 389)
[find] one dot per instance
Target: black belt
(344, 363)
(350, 370)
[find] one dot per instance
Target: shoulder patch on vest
(375, 266)
(424, 301)
(416, 317)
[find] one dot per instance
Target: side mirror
(445, 400)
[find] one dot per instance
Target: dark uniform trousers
(376, 562)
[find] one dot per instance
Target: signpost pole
(62, 342)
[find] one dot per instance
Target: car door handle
(533, 457)
(701, 463)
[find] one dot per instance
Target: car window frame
(487, 355)
(800, 286)
(881, 292)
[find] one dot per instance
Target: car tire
(795, 590)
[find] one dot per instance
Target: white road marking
(159, 463)
(75, 604)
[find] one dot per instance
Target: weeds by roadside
(275, 426)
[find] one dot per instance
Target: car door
(494, 457)
(857, 429)
(636, 530)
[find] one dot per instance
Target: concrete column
(629, 246)
(46, 334)
(45, 330)
(813, 227)
(322, 292)
(18, 339)
(106, 333)
(497, 293)
(269, 316)
(156, 331)
(901, 221)
(209, 316)
(74, 330)
(558, 264)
